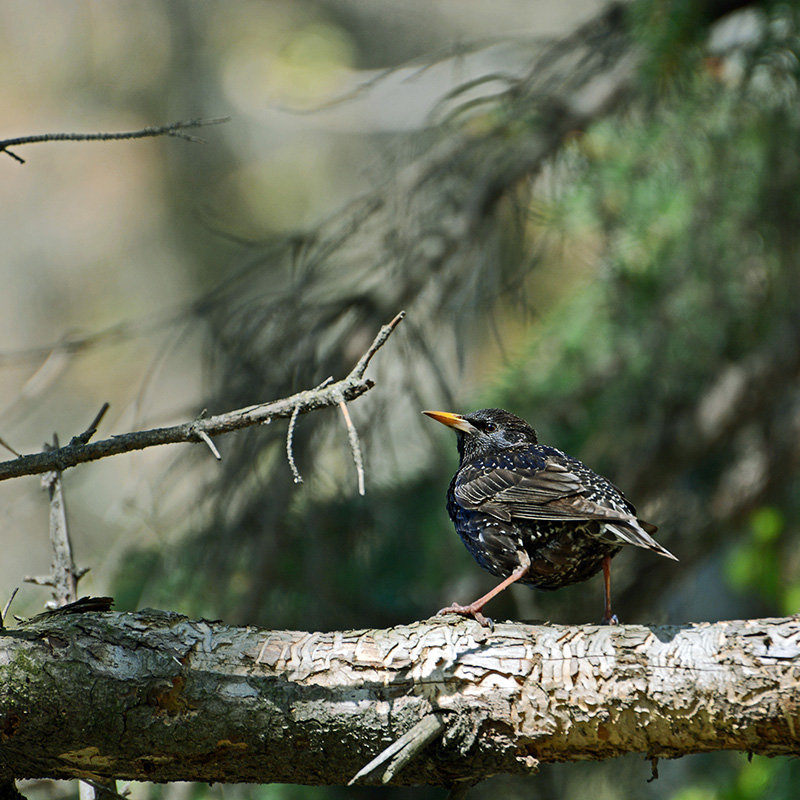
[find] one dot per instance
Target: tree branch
(64, 575)
(173, 129)
(159, 697)
(330, 394)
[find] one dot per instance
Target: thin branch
(7, 607)
(404, 749)
(298, 478)
(210, 443)
(4, 443)
(39, 580)
(65, 581)
(355, 446)
(47, 580)
(177, 129)
(83, 438)
(383, 334)
(349, 388)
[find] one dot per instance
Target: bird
(529, 513)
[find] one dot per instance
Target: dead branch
(298, 478)
(177, 129)
(355, 445)
(64, 576)
(156, 696)
(330, 394)
(7, 607)
(83, 438)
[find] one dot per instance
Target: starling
(528, 512)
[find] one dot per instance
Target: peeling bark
(156, 696)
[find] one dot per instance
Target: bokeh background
(629, 284)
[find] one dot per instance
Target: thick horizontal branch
(325, 396)
(156, 696)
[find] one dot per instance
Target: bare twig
(355, 446)
(39, 580)
(47, 580)
(210, 443)
(404, 749)
(7, 606)
(177, 129)
(347, 389)
(83, 438)
(65, 580)
(380, 340)
(298, 478)
(424, 732)
(7, 446)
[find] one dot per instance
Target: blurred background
(590, 216)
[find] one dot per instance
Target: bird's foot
(468, 611)
(610, 619)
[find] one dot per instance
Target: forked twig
(404, 749)
(330, 394)
(83, 438)
(64, 575)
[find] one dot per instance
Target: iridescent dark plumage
(530, 513)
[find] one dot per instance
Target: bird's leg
(474, 609)
(608, 617)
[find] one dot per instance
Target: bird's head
(487, 430)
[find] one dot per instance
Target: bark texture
(156, 696)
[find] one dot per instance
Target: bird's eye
(490, 427)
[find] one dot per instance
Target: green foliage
(754, 564)
(692, 270)
(756, 779)
(763, 563)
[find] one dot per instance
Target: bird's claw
(468, 611)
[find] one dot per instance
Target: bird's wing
(541, 488)
(528, 487)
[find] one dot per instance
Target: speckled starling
(529, 513)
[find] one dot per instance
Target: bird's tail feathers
(633, 532)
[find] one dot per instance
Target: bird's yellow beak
(452, 421)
